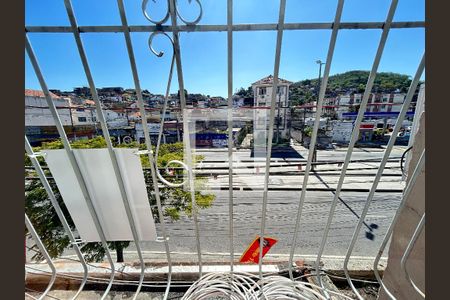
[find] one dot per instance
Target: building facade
(262, 91)
(37, 112)
(377, 103)
(40, 125)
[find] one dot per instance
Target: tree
(308, 131)
(241, 92)
(38, 207)
(353, 81)
(245, 93)
(185, 94)
(305, 91)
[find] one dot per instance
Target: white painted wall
(152, 127)
(38, 114)
(398, 99)
(262, 96)
(82, 116)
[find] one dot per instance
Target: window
(80, 109)
(262, 91)
(81, 119)
(280, 90)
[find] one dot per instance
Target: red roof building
(38, 94)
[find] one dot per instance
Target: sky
(204, 54)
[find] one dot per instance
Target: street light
(320, 63)
(320, 73)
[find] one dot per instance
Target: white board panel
(98, 173)
(62, 172)
(133, 177)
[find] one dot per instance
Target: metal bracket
(37, 154)
(143, 152)
(160, 239)
(78, 242)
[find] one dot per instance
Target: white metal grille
(172, 32)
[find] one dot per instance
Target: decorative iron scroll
(160, 54)
(166, 17)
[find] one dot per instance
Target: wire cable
(245, 286)
(403, 158)
(221, 283)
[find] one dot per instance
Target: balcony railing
(260, 283)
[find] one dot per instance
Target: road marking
(377, 216)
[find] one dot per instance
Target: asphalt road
(280, 223)
(282, 210)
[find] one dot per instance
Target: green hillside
(349, 82)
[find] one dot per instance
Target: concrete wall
(37, 112)
(282, 97)
(87, 114)
(394, 278)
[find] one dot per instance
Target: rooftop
(269, 80)
(36, 93)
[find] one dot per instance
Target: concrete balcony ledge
(69, 274)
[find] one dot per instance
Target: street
(285, 185)
(281, 213)
(283, 198)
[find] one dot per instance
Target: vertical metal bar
(419, 109)
(166, 97)
(107, 137)
(312, 144)
(355, 133)
(408, 250)
(72, 160)
(417, 171)
(152, 160)
(44, 252)
(276, 70)
(59, 212)
(186, 139)
(230, 126)
(383, 162)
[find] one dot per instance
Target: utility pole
(304, 121)
(94, 121)
(74, 136)
(278, 116)
(314, 158)
(178, 131)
